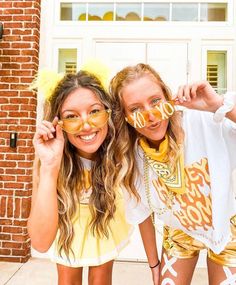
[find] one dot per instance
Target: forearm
(43, 219)
(232, 114)
(148, 235)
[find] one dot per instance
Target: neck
(155, 144)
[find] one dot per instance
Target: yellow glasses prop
(75, 125)
(162, 111)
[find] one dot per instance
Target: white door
(118, 55)
(170, 60)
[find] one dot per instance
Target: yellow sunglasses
(75, 125)
(140, 119)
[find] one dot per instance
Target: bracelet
(228, 104)
(155, 265)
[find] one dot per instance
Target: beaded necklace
(168, 243)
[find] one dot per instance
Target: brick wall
(19, 49)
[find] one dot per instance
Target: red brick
(6, 93)
(4, 86)
(5, 237)
(9, 207)
(4, 100)
(17, 208)
(21, 223)
(6, 4)
(12, 245)
(24, 178)
(14, 185)
(10, 108)
(13, 25)
(4, 18)
(10, 259)
(16, 171)
(5, 251)
(13, 11)
(11, 52)
(5, 59)
(23, 4)
(5, 72)
(12, 38)
(3, 203)
(7, 164)
(24, 193)
(4, 45)
(21, 45)
(18, 237)
(24, 164)
(25, 210)
(7, 178)
(25, 93)
(6, 192)
(22, 18)
(5, 222)
(11, 66)
(14, 230)
(18, 114)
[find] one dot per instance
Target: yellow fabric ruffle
(89, 250)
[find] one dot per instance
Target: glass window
(184, 12)
(73, 12)
(214, 12)
(100, 12)
(156, 12)
(67, 60)
(128, 12)
(217, 70)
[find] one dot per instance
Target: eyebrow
(95, 104)
(156, 96)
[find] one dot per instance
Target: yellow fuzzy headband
(47, 80)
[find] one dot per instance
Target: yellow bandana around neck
(158, 159)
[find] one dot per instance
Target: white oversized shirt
(204, 211)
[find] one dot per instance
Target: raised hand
(48, 142)
(198, 95)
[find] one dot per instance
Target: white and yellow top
(90, 250)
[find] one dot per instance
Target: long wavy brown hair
(126, 136)
(71, 178)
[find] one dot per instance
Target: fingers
(59, 133)
(45, 131)
(185, 93)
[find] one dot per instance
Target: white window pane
(67, 60)
(100, 12)
(156, 12)
(128, 12)
(73, 12)
(217, 70)
(185, 12)
(214, 12)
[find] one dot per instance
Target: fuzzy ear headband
(47, 80)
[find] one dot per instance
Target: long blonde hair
(127, 135)
(71, 175)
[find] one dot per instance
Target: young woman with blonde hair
(178, 168)
(76, 207)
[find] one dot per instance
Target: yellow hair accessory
(46, 81)
(99, 69)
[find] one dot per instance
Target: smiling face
(144, 94)
(82, 103)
